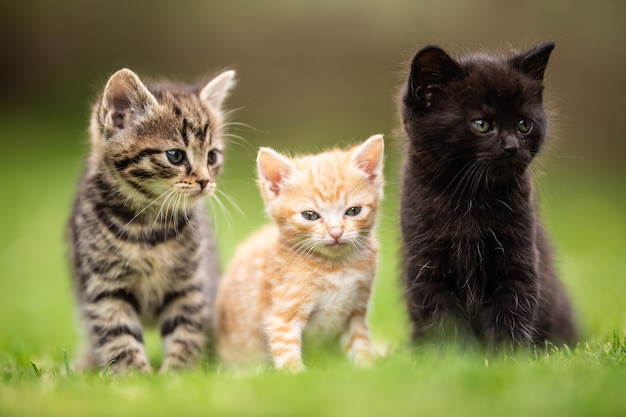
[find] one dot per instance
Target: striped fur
(303, 276)
(141, 246)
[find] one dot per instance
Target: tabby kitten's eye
(310, 215)
(525, 126)
(175, 156)
(353, 211)
(212, 157)
(481, 125)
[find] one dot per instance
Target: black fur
(474, 250)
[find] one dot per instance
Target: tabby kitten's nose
(203, 183)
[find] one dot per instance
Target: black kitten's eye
(310, 215)
(212, 157)
(481, 125)
(175, 156)
(525, 126)
(353, 211)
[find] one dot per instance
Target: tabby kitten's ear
(214, 93)
(533, 62)
(431, 69)
(368, 157)
(124, 96)
(273, 170)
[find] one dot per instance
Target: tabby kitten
(310, 273)
(475, 253)
(140, 242)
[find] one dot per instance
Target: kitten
(310, 273)
(474, 250)
(140, 241)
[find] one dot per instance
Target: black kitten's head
(480, 110)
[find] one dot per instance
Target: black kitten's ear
(432, 68)
(533, 63)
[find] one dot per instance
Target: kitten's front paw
(123, 361)
(294, 366)
(173, 364)
(364, 358)
(118, 368)
(512, 335)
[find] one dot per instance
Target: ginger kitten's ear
(368, 157)
(273, 169)
(124, 96)
(215, 92)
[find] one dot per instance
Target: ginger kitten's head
(161, 140)
(324, 204)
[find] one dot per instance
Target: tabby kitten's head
(480, 113)
(159, 140)
(324, 204)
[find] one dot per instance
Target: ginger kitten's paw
(364, 359)
(292, 367)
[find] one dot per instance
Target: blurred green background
(311, 75)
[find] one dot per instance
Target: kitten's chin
(504, 171)
(334, 250)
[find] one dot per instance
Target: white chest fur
(338, 297)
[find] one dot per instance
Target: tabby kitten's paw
(177, 363)
(122, 368)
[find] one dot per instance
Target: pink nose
(335, 233)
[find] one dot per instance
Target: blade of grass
(106, 370)
(35, 368)
(68, 370)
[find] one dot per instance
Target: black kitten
(474, 249)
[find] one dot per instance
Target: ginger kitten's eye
(212, 157)
(175, 156)
(310, 215)
(481, 125)
(353, 211)
(525, 126)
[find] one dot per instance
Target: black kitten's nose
(510, 144)
(202, 183)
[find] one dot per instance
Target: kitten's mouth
(507, 168)
(197, 192)
(333, 249)
(336, 246)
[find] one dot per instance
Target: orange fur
(302, 275)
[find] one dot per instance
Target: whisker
(175, 210)
(173, 207)
(186, 209)
(298, 246)
(171, 190)
(231, 200)
(160, 212)
(237, 140)
(221, 208)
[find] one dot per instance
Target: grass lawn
(585, 215)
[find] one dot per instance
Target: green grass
(39, 338)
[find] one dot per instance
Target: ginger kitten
(141, 245)
(311, 271)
